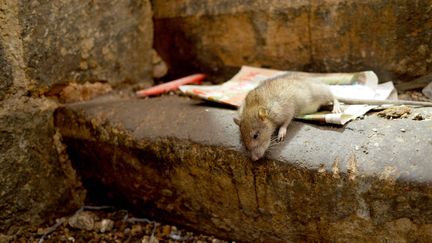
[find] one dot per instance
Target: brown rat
(275, 102)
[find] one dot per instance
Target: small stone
(173, 229)
(402, 130)
(40, 231)
(82, 220)
(136, 229)
(175, 236)
(166, 230)
(374, 129)
(418, 117)
(145, 239)
(106, 225)
(357, 147)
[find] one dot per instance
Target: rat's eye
(255, 136)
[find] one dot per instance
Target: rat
(276, 101)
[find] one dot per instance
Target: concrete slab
(182, 161)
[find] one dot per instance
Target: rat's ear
(236, 121)
(262, 113)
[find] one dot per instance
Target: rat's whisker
(273, 145)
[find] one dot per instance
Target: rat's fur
(272, 105)
(275, 102)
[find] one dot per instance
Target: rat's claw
(336, 107)
(336, 110)
(281, 134)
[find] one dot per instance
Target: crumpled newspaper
(359, 85)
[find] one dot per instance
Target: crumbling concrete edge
(220, 191)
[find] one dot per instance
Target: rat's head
(256, 130)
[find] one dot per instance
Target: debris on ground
(103, 224)
(414, 95)
(172, 85)
(395, 112)
(417, 83)
(418, 117)
(83, 220)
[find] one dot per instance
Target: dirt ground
(104, 224)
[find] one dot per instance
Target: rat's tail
(383, 102)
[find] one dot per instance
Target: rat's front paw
(281, 134)
(336, 107)
(337, 110)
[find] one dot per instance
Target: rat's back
(272, 105)
(303, 96)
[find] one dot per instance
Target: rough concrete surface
(37, 181)
(96, 40)
(390, 37)
(62, 41)
(181, 160)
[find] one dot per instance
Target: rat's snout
(256, 155)
(257, 150)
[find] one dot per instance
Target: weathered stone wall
(392, 38)
(6, 75)
(36, 177)
(44, 44)
(86, 40)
